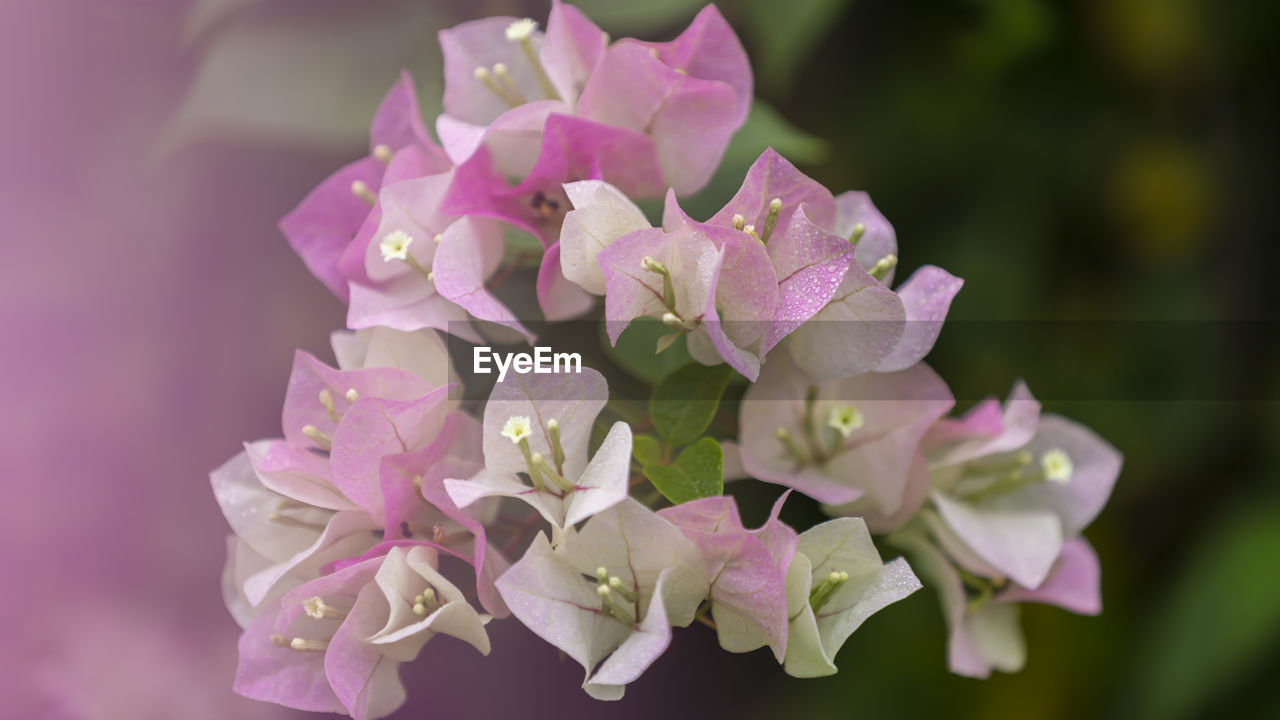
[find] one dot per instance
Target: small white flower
(395, 245)
(846, 419)
(520, 30)
(517, 428)
(1057, 466)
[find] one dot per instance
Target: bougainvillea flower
(1009, 496)
(841, 441)
(748, 571)
(608, 596)
(601, 214)
(335, 643)
(865, 327)
(982, 612)
(421, 352)
(280, 540)
(416, 265)
(322, 225)
(688, 95)
(836, 582)
(539, 426)
(503, 77)
(713, 283)
(834, 258)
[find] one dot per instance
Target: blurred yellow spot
(1161, 193)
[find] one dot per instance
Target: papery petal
(772, 176)
(854, 333)
(810, 264)
(572, 399)
(748, 590)
(926, 297)
(638, 545)
(309, 377)
(689, 119)
(296, 473)
(878, 238)
(571, 49)
(710, 50)
(514, 138)
(742, 299)
(366, 681)
(422, 353)
(470, 250)
(320, 228)
(1021, 542)
(845, 545)
(559, 298)
(1096, 465)
(373, 429)
(989, 638)
(979, 434)
(642, 647)
(1074, 583)
(601, 215)
(346, 535)
(248, 506)
(397, 123)
(554, 601)
(403, 574)
(604, 482)
(579, 148)
(486, 484)
(279, 675)
(483, 43)
(632, 292)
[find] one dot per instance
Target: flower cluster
(389, 512)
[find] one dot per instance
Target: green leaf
(1221, 623)
(646, 450)
(634, 352)
(684, 402)
(697, 472)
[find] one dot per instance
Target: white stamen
(316, 608)
(352, 395)
(521, 29)
(360, 189)
(437, 239)
(395, 245)
(382, 152)
(517, 428)
(1057, 466)
(302, 645)
(317, 437)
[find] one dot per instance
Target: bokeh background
(1101, 172)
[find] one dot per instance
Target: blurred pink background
(151, 310)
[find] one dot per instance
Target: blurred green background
(1090, 161)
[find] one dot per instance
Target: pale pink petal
(601, 214)
(1073, 585)
(854, 333)
(571, 49)
(926, 298)
(483, 43)
(772, 176)
(320, 228)
(810, 264)
(877, 240)
(559, 298)
(604, 482)
(470, 250)
(397, 123)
